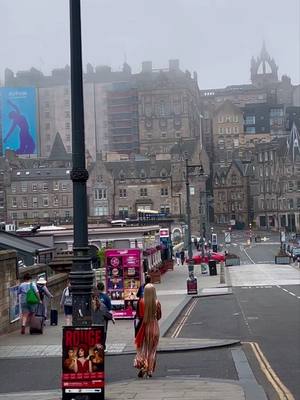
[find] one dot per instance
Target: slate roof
(10, 240)
(58, 151)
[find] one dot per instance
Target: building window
(24, 187)
(123, 193)
(233, 179)
(67, 125)
(24, 202)
(64, 187)
(262, 203)
(250, 120)
(65, 200)
(162, 108)
(13, 188)
(221, 143)
(55, 186)
(25, 215)
(35, 202)
(123, 212)
(67, 214)
(14, 202)
(34, 187)
(45, 187)
(221, 130)
(143, 192)
(290, 186)
(100, 194)
(101, 211)
(165, 209)
(164, 192)
(35, 214)
(290, 204)
(55, 201)
(45, 202)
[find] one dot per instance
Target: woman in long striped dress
(146, 340)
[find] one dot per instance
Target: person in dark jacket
(140, 292)
(100, 313)
(182, 256)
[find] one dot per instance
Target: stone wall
(8, 278)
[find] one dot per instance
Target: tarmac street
(199, 358)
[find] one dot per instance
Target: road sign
(227, 237)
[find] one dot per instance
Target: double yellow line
(282, 391)
(184, 318)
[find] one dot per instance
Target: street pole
(81, 275)
(188, 215)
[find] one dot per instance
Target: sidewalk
(172, 295)
(159, 389)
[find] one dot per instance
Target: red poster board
(83, 362)
(123, 279)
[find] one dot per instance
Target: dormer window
(163, 173)
(122, 176)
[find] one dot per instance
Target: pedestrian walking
(103, 297)
(100, 313)
(29, 298)
(45, 294)
(182, 256)
(177, 256)
(66, 303)
(140, 292)
(147, 337)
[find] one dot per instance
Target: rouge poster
(83, 362)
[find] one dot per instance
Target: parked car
(198, 259)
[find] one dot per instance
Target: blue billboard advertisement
(18, 120)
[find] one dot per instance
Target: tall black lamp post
(192, 282)
(81, 275)
(188, 217)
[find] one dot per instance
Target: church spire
(263, 69)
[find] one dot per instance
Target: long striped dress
(147, 340)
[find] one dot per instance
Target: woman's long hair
(150, 303)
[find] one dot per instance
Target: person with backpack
(29, 298)
(67, 303)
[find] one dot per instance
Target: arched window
(122, 175)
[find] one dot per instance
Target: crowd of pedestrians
(148, 313)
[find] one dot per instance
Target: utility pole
(81, 275)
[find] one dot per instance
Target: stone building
(231, 188)
(228, 125)
(40, 190)
(169, 107)
(120, 185)
(265, 92)
(276, 185)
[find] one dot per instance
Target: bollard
(222, 273)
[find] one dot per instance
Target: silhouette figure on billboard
(27, 145)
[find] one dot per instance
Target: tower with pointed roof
(264, 71)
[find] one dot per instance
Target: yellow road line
(184, 318)
(282, 391)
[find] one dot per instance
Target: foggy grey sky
(216, 38)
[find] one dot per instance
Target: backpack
(31, 297)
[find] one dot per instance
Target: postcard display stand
(123, 279)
